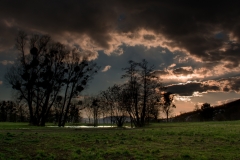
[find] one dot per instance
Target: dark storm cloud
(199, 27)
(221, 85)
(192, 25)
(189, 88)
(149, 37)
(183, 71)
(93, 18)
(161, 73)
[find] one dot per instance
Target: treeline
(141, 98)
(11, 112)
(49, 79)
(18, 112)
(206, 112)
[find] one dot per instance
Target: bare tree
(78, 73)
(142, 85)
(92, 108)
(131, 93)
(112, 99)
(75, 111)
(40, 75)
(36, 76)
(96, 108)
(150, 85)
(153, 107)
(87, 103)
(167, 103)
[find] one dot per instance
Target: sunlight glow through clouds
(187, 98)
(115, 39)
(180, 78)
(188, 73)
(182, 98)
(172, 65)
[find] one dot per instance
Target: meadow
(202, 140)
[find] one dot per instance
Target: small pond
(89, 126)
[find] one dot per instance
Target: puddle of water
(89, 126)
(85, 126)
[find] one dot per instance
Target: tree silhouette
(139, 90)
(39, 77)
(167, 103)
(78, 73)
(207, 111)
(112, 99)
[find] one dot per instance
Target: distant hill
(228, 111)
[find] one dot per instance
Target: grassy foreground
(209, 140)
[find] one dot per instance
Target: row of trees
(11, 112)
(17, 111)
(141, 98)
(209, 113)
(51, 76)
(206, 112)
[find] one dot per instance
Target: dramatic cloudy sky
(194, 45)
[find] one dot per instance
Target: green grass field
(208, 140)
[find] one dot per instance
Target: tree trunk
(167, 116)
